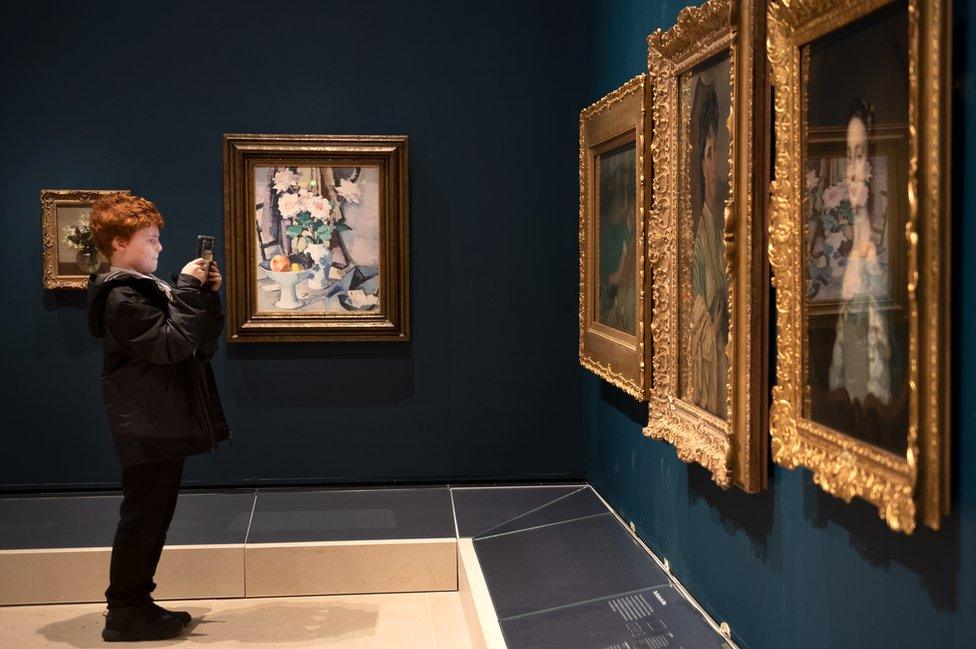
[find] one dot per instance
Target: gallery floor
(528, 566)
(408, 620)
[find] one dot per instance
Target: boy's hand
(214, 280)
(196, 268)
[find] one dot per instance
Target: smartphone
(205, 247)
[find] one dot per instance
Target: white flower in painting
(305, 199)
(285, 180)
(858, 191)
(289, 205)
(835, 239)
(349, 191)
(320, 207)
(812, 180)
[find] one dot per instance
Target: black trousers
(149, 493)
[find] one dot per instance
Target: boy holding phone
(159, 393)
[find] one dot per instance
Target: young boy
(159, 393)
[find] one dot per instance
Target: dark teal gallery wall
(792, 568)
(136, 95)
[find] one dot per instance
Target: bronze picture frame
(910, 485)
(293, 274)
(709, 398)
(61, 272)
(613, 304)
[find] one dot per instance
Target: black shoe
(182, 616)
(142, 622)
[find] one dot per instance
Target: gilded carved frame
(51, 200)
(914, 487)
(733, 449)
(617, 119)
(244, 152)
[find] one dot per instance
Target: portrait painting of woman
(705, 331)
(857, 358)
(711, 160)
(858, 238)
(614, 297)
(618, 255)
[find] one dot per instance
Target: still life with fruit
(318, 238)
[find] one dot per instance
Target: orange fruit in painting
(280, 264)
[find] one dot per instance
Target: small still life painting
(70, 255)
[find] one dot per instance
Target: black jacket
(157, 384)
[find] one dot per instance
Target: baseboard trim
(479, 612)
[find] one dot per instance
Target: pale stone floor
(390, 621)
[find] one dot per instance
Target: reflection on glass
(617, 295)
(861, 358)
(855, 299)
(704, 331)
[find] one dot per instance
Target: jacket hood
(99, 286)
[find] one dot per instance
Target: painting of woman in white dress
(865, 383)
(705, 310)
(857, 198)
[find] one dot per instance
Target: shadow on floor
(264, 624)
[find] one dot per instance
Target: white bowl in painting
(286, 280)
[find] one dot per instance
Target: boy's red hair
(120, 215)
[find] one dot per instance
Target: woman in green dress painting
(618, 255)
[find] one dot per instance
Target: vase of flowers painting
(79, 238)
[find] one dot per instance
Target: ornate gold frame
(615, 356)
(906, 488)
(51, 200)
(733, 450)
(242, 152)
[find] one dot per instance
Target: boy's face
(140, 252)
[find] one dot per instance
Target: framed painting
(613, 302)
(710, 153)
(859, 246)
(317, 237)
(69, 252)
